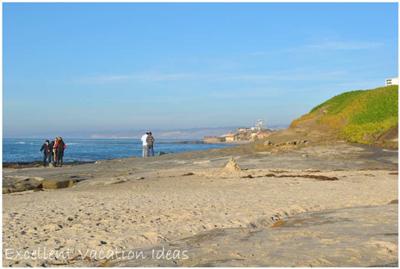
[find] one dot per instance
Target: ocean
(87, 150)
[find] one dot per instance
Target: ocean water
(28, 150)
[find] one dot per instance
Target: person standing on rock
(150, 144)
(51, 156)
(55, 146)
(144, 144)
(60, 151)
(46, 152)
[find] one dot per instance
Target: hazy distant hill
(364, 116)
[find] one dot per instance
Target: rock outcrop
(232, 167)
(57, 184)
(20, 183)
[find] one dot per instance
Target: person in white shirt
(144, 143)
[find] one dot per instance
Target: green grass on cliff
(359, 116)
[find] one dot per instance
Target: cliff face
(366, 117)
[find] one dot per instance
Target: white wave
(20, 143)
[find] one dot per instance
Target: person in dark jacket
(51, 156)
(60, 147)
(46, 152)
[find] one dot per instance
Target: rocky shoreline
(20, 165)
(195, 201)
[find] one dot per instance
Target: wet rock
(18, 165)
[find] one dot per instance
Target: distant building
(392, 81)
(263, 134)
(241, 134)
(243, 130)
(259, 125)
(231, 137)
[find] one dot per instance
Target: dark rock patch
(317, 177)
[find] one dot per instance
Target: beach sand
(338, 201)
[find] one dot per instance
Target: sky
(97, 70)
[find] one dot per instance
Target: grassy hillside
(358, 116)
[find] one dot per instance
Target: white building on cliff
(392, 81)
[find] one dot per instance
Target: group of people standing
(148, 144)
(53, 152)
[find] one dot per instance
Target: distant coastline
(19, 152)
(182, 142)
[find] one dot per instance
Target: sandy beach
(113, 207)
(200, 134)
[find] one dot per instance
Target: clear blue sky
(89, 68)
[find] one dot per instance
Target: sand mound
(232, 166)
